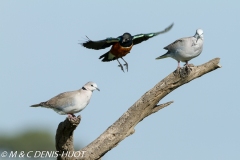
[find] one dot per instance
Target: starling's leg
(126, 64)
(120, 65)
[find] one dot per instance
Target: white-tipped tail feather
(36, 105)
(163, 56)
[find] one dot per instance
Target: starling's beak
(125, 40)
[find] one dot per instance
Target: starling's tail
(107, 57)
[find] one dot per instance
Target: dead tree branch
(124, 126)
(64, 137)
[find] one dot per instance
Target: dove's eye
(92, 85)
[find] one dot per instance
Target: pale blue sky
(41, 57)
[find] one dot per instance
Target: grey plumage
(185, 49)
(70, 102)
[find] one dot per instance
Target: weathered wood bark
(64, 137)
(142, 108)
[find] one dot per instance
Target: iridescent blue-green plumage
(143, 37)
(120, 46)
(102, 44)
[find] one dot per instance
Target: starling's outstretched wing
(143, 37)
(100, 44)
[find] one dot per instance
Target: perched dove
(185, 49)
(70, 102)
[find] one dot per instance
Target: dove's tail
(37, 105)
(163, 56)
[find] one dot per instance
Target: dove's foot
(71, 116)
(184, 71)
(189, 65)
(73, 119)
(177, 72)
(188, 68)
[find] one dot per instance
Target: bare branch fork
(124, 126)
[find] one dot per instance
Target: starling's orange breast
(118, 51)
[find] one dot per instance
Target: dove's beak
(200, 37)
(98, 89)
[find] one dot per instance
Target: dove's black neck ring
(83, 88)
